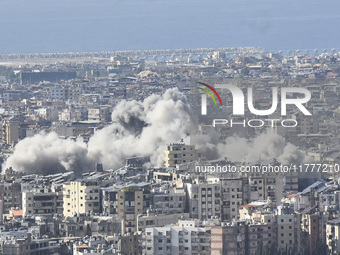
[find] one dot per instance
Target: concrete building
(333, 236)
(310, 229)
(204, 199)
(153, 219)
(179, 153)
(42, 201)
(306, 124)
(21, 243)
(132, 200)
(235, 192)
(81, 196)
(186, 237)
(228, 239)
(101, 114)
(288, 228)
(169, 201)
(58, 93)
(10, 132)
(10, 195)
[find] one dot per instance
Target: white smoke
(142, 129)
(266, 146)
(47, 153)
(138, 129)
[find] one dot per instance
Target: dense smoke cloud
(266, 146)
(141, 129)
(138, 129)
(47, 153)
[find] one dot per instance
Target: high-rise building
(132, 200)
(80, 197)
(179, 153)
(10, 132)
(204, 199)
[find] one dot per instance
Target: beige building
(130, 203)
(179, 153)
(333, 236)
(11, 196)
(10, 132)
(101, 114)
(80, 196)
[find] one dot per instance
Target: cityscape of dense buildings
(136, 207)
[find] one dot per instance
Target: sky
(43, 26)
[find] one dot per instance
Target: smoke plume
(141, 129)
(47, 153)
(266, 146)
(138, 129)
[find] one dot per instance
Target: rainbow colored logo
(209, 93)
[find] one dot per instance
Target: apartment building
(169, 201)
(131, 200)
(186, 237)
(100, 114)
(10, 132)
(204, 199)
(81, 196)
(42, 201)
(307, 124)
(10, 195)
(153, 219)
(228, 239)
(310, 229)
(333, 235)
(235, 192)
(288, 228)
(180, 153)
(266, 186)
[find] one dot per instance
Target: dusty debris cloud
(47, 153)
(138, 129)
(266, 146)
